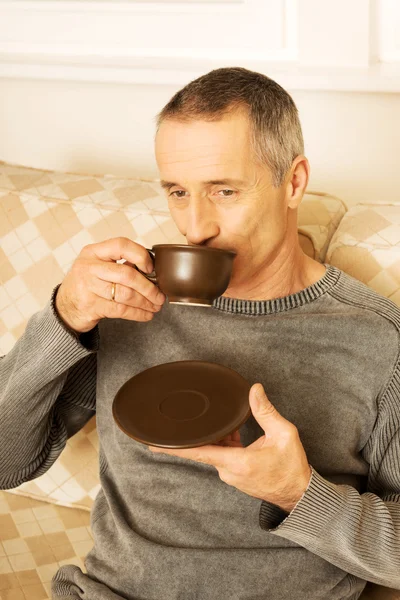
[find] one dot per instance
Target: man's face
(247, 215)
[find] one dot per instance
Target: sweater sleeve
(359, 533)
(47, 393)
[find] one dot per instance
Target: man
(303, 503)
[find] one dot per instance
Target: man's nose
(201, 223)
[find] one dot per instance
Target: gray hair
(275, 130)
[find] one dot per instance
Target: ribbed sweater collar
(276, 305)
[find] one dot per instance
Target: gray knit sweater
(167, 528)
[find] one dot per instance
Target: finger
(121, 247)
(130, 277)
(123, 294)
(236, 436)
(232, 437)
(219, 457)
(115, 310)
(230, 444)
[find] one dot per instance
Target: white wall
(352, 139)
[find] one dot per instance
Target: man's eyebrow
(166, 185)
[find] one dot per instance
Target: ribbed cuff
(57, 343)
(271, 515)
(317, 507)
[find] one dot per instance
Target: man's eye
(231, 192)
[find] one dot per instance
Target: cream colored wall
(352, 139)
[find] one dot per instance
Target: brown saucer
(182, 404)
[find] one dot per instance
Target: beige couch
(45, 220)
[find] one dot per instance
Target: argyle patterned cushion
(366, 245)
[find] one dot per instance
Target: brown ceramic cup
(193, 275)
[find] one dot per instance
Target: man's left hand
(273, 468)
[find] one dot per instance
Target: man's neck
(285, 276)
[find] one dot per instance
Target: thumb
(263, 410)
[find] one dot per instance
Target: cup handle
(151, 276)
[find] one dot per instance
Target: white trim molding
(302, 44)
(227, 29)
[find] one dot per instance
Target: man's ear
(297, 181)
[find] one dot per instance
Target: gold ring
(113, 292)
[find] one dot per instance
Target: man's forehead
(203, 156)
(224, 181)
(201, 168)
(201, 137)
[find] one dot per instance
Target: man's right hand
(84, 297)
